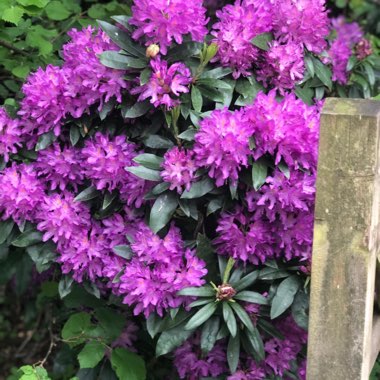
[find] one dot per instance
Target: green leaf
(155, 324)
(137, 110)
(246, 281)
(35, 3)
(160, 188)
(184, 51)
(252, 297)
(209, 332)
(259, 173)
(5, 229)
(149, 160)
(144, 173)
(65, 286)
(87, 194)
(201, 302)
(21, 71)
(284, 169)
(116, 60)
(217, 73)
(204, 291)
(242, 314)
(233, 352)
(27, 238)
(111, 323)
(107, 108)
(13, 14)
(108, 199)
(157, 142)
(56, 11)
(128, 365)
(188, 135)
(196, 99)
(199, 189)
(145, 76)
(206, 252)
(370, 73)
(43, 255)
(272, 274)
(214, 205)
(217, 83)
(171, 339)
(305, 93)
(122, 39)
(323, 72)
(229, 318)
(300, 308)
(284, 296)
(76, 327)
(262, 40)
(310, 66)
(124, 251)
(74, 135)
(189, 208)
(201, 316)
(91, 354)
(45, 140)
(256, 341)
(269, 328)
(162, 211)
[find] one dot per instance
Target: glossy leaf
(162, 211)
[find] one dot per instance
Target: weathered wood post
(345, 242)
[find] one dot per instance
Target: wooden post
(345, 242)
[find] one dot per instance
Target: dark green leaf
(269, 328)
(262, 40)
(204, 291)
(206, 252)
(27, 238)
(91, 354)
(188, 135)
(216, 73)
(242, 314)
(184, 51)
(144, 173)
(201, 302)
(87, 194)
(300, 309)
(118, 61)
(246, 281)
(65, 286)
(284, 296)
(162, 210)
(74, 135)
(124, 251)
(217, 83)
(201, 316)
(214, 205)
(155, 324)
(199, 189)
(111, 323)
(370, 73)
(209, 332)
(233, 352)
(171, 339)
(196, 99)
(108, 199)
(229, 318)
(272, 274)
(259, 173)
(310, 66)
(251, 297)
(305, 94)
(211, 93)
(107, 108)
(284, 169)
(149, 160)
(189, 208)
(137, 110)
(158, 142)
(45, 140)
(5, 229)
(256, 341)
(76, 327)
(128, 365)
(145, 76)
(323, 72)
(160, 188)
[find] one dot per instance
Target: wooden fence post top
(351, 107)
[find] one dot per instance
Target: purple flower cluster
(158, 270)
(10, 135)
(348, 35)
(278, 219)
(165, 84)
(222, 144)
(295, 24)
(191, 365)
(179, 169)
(164, 21)
(57, 92)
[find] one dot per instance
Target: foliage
(157, 209)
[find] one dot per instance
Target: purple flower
(222, 144)
(159, 269)
(238, 25)
(348, 35)
(165, 84)
(105, 160)
(91, 81)
(303, 22)
(283, 66)
(21, 193)
(363, 49)
(193, 366)
(242, 237)
(61, 218)
(179, 169)
(10, 135)
(60, 167)
(162, 21)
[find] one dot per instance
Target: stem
(14, 48)
(228, 269)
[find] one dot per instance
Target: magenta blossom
(179, 169)
(10, 135)
(165, 84)
(162, 21)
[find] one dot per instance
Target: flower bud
(152, 51)
(225, 292)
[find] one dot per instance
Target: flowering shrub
(167, 168)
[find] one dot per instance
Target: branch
(11, 47)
